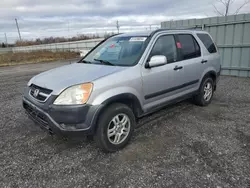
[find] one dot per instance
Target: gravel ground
(180, 146)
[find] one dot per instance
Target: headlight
(78, 94)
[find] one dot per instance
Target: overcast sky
(70, 17)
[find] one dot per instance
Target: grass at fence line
(18, 58)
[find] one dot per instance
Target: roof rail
(156, 31)
(159, 30)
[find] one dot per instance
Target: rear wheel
(205, 93)
(115, 127)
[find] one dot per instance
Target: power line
(18, 29)
(12, 37)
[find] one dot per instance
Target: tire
(123, 126)
(201, 99)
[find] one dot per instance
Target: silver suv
(122, 79)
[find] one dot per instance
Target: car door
(191, 61)
(160, 84)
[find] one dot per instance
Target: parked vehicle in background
(123, 78)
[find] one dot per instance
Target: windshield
(118, 51)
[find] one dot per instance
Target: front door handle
(204, 61)
(178, 68)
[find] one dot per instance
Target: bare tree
(227, 4)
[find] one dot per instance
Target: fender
(99, 99)
(125, 98)
(209, 71)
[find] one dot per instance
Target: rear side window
(189, 46)
(207, 41)
(165, 45)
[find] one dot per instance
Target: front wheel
(205, 93)
(115, 127)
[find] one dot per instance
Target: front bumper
(74, 120)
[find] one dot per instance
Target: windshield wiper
(104, 62)
(84, 61)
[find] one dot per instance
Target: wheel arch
(128, 99)
(125, 98)
(212, 74)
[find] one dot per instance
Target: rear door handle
(178, 68)
(204, 61)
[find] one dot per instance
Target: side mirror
(157, 60)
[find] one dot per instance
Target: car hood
(63, 77)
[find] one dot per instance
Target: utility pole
(68, 29)
(68, 37)
(18, 30)
(117, 26)
(6, 41)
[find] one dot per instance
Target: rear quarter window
(208, 42)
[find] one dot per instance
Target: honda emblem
(36, 92)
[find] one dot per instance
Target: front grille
(39, 93)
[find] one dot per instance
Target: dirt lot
(180, 146)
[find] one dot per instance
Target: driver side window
(165, 45)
